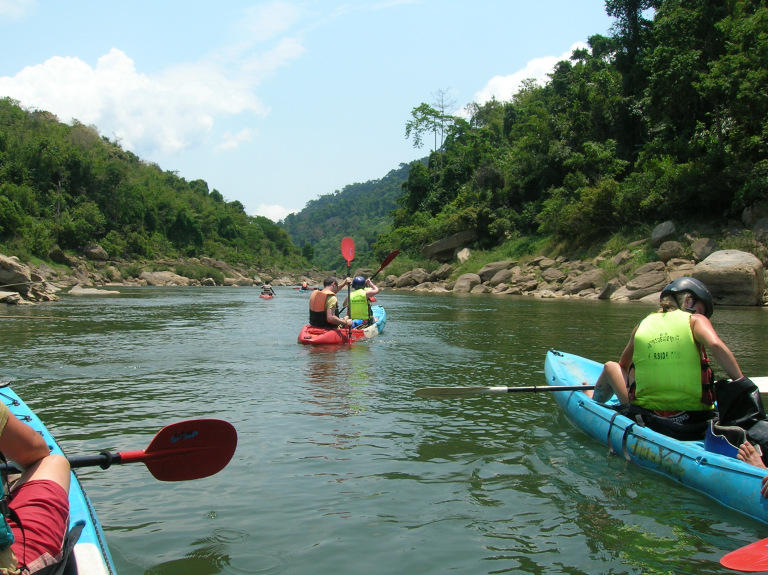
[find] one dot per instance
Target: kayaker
(358, 303)
(663, 374)
(38, 501)
(324, 305)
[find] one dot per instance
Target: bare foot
(589, 392)
(748, 454)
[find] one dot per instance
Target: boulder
(552, 275)
(501, 276)
(668, 250)
(703, 247)
(733, 277)
(164, 279)
(647, 283)
(760, 229)
(662, 232)
(412, 278)
(489, 270)
(466, 282)
(446, 248)
(442, 273)
(463, 255)
(589, 279)
(14, 275)
(95, 252)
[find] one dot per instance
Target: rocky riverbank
(734, 276)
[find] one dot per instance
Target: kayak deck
(91, 552)
(731, 482)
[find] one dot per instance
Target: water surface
(340, 469)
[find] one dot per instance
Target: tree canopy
(665, 118)
(65, 187)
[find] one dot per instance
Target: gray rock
(733, 277)
(702, 248)
(446, 248)
(642, 285)
(164, 279)
(501, 276)
(662, 232)
(466, 282)
(412, 278)
(442, 273)
(589, 279)
(669, 249)
(760, 229)
(489, 270)
(552, 275)
(14, 275)
(463, 255)
(95, 252)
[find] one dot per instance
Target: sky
(277, 103)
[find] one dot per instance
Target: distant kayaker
(663, 375)
(267, 290)
(38, 501)
(324, 305)
(358, 303)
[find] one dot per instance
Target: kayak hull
(731, 482)
(91, 552)
(310, 335)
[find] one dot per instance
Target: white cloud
(230, 141)
(265, 21)
(274, 213)
(504, 87)
(164, 112)
(15, 9)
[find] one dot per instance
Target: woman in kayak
(358, 303)
(663, 374)
(32, 533)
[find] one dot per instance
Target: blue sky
(277, 103)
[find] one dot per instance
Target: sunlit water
(340, 469)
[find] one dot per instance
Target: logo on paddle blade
(183, 436)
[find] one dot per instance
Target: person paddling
(324, 305)
(358, 303)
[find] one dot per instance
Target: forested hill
(666, 118)
(63, 187)
(362, 211)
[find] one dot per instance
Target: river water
(340, 469)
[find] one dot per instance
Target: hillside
(65, 187)
(361, 211)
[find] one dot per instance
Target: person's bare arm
(22, 444)
(705, 334)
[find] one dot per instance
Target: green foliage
(666, 118)
(66, 186)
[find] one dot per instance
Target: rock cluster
(734, 277)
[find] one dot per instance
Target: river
(340, 469)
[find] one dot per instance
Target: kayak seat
(67, 565)
(724, 439)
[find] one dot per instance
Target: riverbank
(636, 271)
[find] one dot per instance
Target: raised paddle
(386, 262)
(348, 251)
(179, 452)
(750, 558)
(438, 392)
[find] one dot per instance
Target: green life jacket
(667, 364)
(358, 305)
(6, 535)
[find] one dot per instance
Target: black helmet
(694, 286)
(358, 282)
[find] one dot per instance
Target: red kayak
(266, 296)
(311, 335)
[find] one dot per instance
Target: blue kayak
(731, 482)
(91, 552)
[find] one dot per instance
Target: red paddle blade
(348, 249)
(750, 558)
(388, 259)
(187, 450)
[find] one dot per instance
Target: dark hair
(329, 281)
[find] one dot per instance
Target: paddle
(386, 262)
(179, 452)
(462, 391)
(348, 251)
(750, 558)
